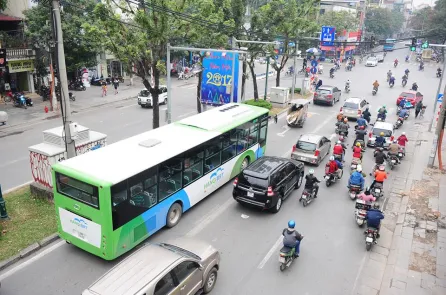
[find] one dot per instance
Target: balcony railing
(19, 53)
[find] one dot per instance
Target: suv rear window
(324, 91)
(253, 181)
(350, 105)
(306, 146)
(408, 95)
(377, 131)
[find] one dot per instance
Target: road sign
(314, 63)
(440, 97)
(328, 35)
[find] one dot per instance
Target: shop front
(18, 76)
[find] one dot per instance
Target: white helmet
(311, 172)
(404, 133)
(379, 119)
(338, 142)
(331, 158)
(359, 168)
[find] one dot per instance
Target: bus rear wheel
(174, 215)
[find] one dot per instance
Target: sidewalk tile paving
(410, 257)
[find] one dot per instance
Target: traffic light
(425, 45)
(413, 46)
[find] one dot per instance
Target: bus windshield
(107, 208)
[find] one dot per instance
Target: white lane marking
(211, 217)
(285, 131)
(270, 253)
(187, 114)
(129, 106)
(358, 275)
(31, 260)
(316, 130)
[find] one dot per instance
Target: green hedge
(297, 90)
(259, 103)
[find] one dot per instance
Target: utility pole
(62, 71)
(266, 78)
(296, 49)
(438, 137)
(438, 92)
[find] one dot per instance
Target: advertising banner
(217, 78)
(16, 66)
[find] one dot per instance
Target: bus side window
(212, 154)
(170, 177)
(193, 165)
(119, 193)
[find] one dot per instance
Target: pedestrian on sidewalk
(104, 87)
(116, 84)
(418, 108)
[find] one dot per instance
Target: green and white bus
(111, 199)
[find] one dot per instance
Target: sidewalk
(410, 257)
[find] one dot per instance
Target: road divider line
(206, 221)
(285, 131)
(31, 260)
(270, 252)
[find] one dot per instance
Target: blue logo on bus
(79, 222)
(216, 176)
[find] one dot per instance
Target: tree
(286, 20)
(3, 4)
(437, 24)
(383, 22)
(139, 36)
(81, 49)
(341, 20)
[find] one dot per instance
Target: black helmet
(376, 206)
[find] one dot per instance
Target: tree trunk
(154, 93)
(254, 81)
(278, 78)
(200, 78)
(243, 80)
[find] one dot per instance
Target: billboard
(328, 35)
(217, 78)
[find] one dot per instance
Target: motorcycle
(354, 191)
(320, 71)
(331, 178)
(382, 117)
(361, 208)
(289, 72)
(404, 82)
(438, 74)
(354, 164)
(347, 88)
(393, 161)
(377, 191)
(331, 75)
(399, 123)
(19, 101)
(338, 157)
(71, 96)
(395, 64)
(307, 196)
(391, 84)
(183, 76)
(370, 237)
(401, 153)
(348, 68)
(286, 257)
(374, 91)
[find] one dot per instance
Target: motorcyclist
(373, 217)
(380, 157)
(361, 121)
(395, 61)
(403, 113)
(421, 65)
(380, 176)
(366, 114)
(380, 140)
(334, 166)
(332, 70)
(407, 72)
(360, 134)
(402, 139)
(418, 108)
(291, 237)
(376, 85)
(311, 182)
(405, 77)
(340, 117)
(382, 113)
(439, 71)
(357, 178)
(343, 126)
(319, 84)
(347, 83)
(389, 74)
(339, 149)
(394, 148)
(392, 80)
(414, 86)
(357, 151)
(407, 58)
(367, 196)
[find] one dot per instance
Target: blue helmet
(291, 224)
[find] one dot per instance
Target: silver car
(185, 266)
(311, 148)
(353, 107)
(327, 95)
(386, 128)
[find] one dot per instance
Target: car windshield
(144, 93)
(351, 105)
(324, 91)
(408, 95)
(377, 131)
(306, 146)
(371, 59)
(253, 181)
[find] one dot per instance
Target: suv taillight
(270, 192)
(235, 182)
(293, 149)
(315, 94)
(316, 153)
(329, 96)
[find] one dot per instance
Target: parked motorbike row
(19, 99)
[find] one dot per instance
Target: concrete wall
(16, 7)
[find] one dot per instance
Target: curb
(28, 251)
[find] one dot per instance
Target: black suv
(267, 181)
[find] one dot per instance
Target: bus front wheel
(174, 215)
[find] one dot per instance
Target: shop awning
(7, 18)
(332, 48)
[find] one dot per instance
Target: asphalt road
(332, 252)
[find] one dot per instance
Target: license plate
(327, 177)
(304, 196)
(369, 239)
(393, 161)
(302, 158)
(400, 154)
(281, 259)
(377, 190)
(250, 194)
(353, 166)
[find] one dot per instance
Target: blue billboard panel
(217, 78)
(328, 35)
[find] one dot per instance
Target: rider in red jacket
(402, 142)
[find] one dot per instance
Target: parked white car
(145, 98)
(371, 62)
